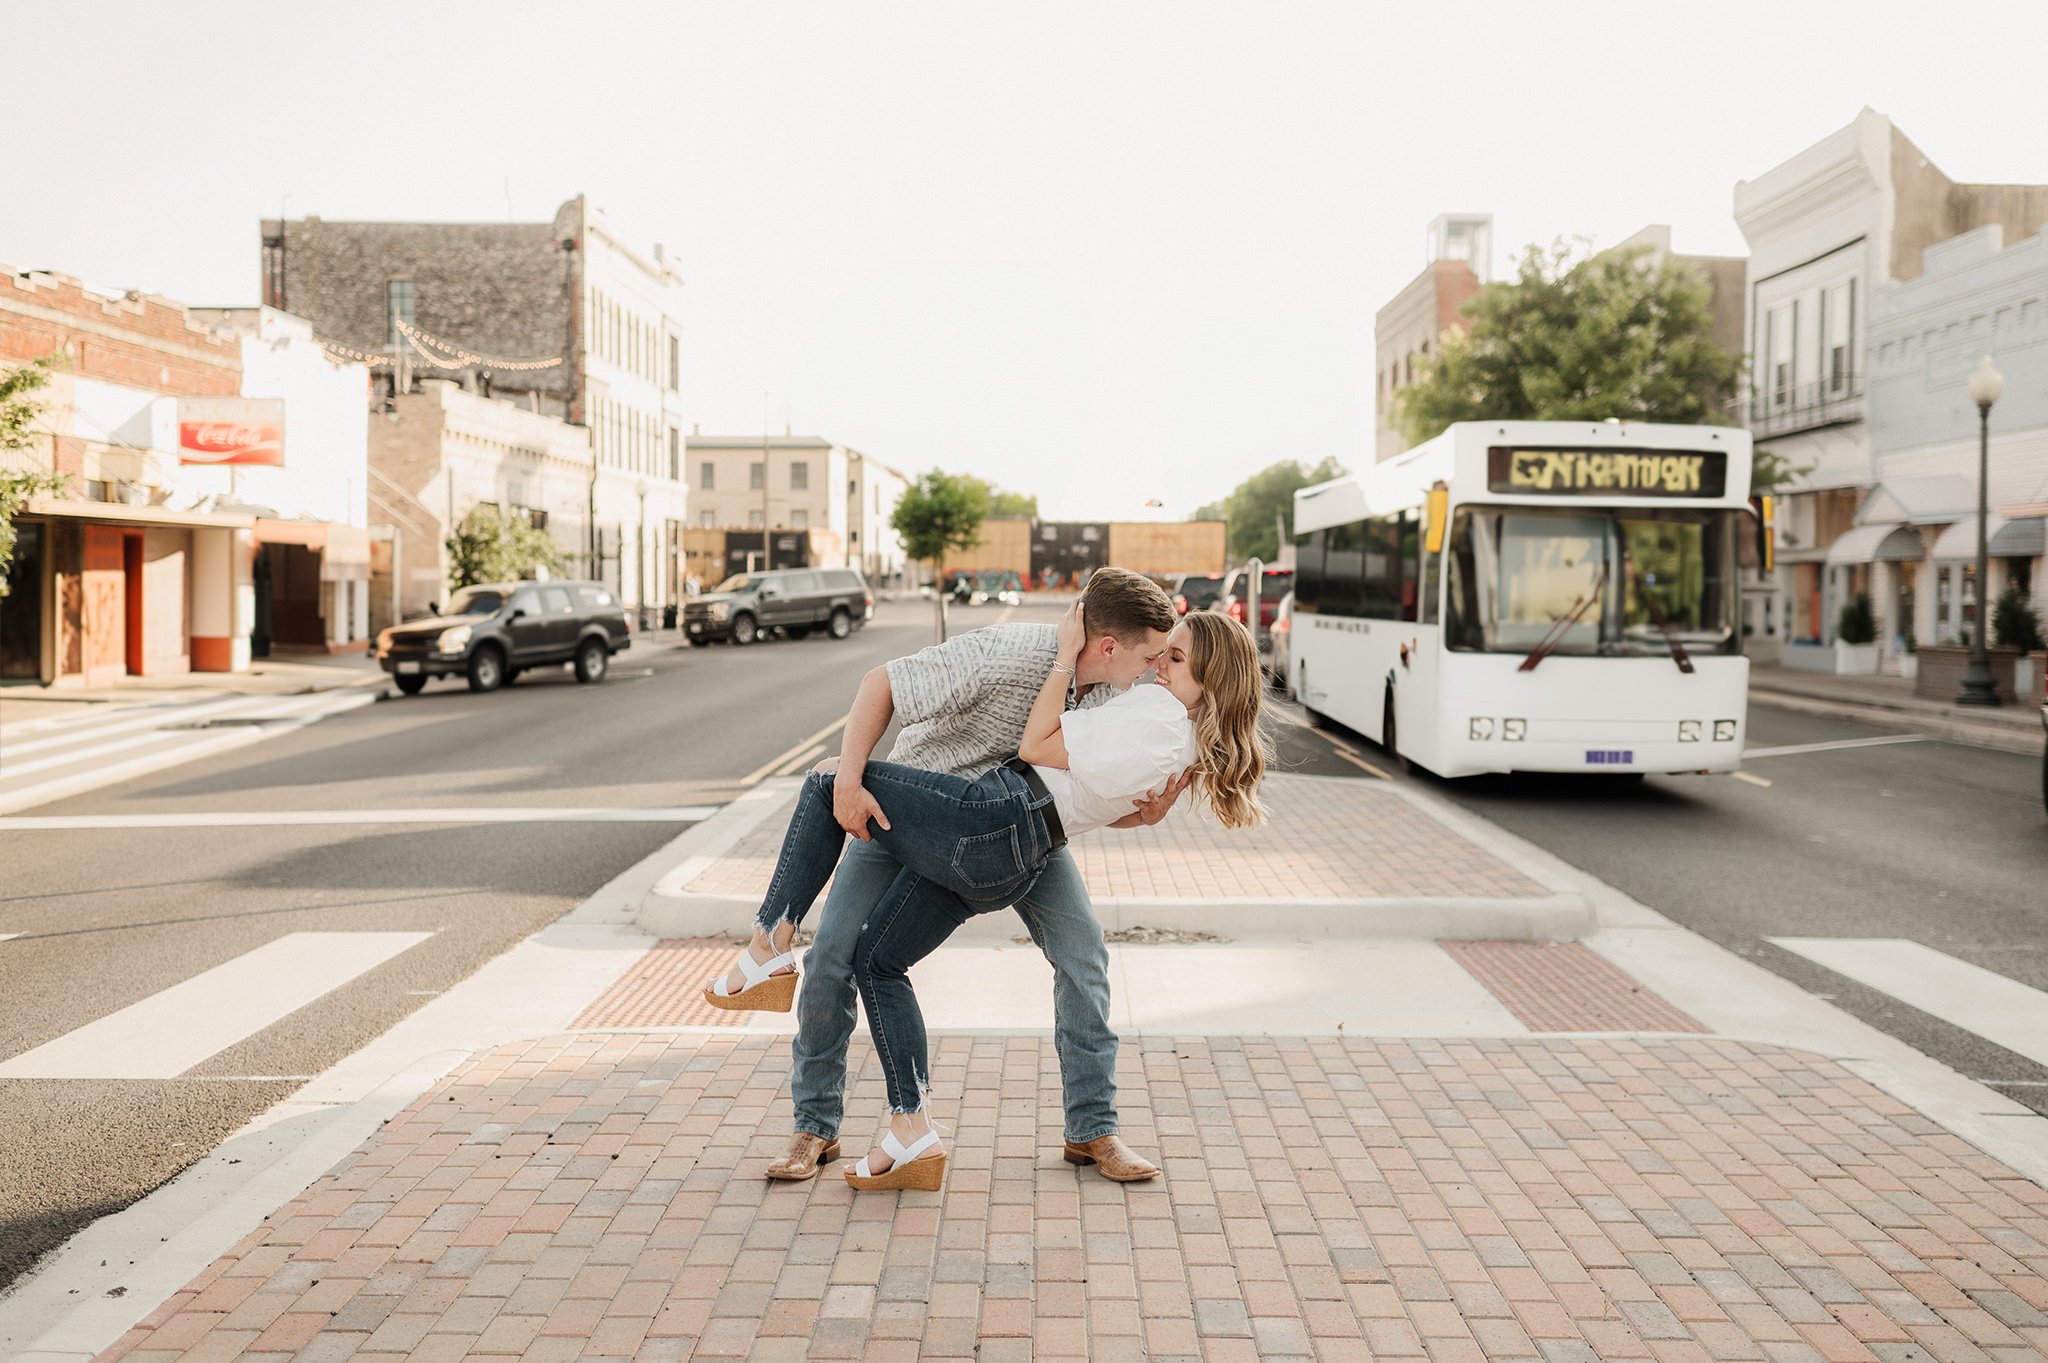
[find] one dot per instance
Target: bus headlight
(1724, 731)
(1514, 730)
(1688, 731)
(1481, 729)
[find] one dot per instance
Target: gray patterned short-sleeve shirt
(962, 704)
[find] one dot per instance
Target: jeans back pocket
(988, 861)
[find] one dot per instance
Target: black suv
(492, 632)
(793, 600)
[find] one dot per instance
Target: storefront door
(21, 609)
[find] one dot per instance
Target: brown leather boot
(801, 1160)
(1117, 1161)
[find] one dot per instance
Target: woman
(973, 846)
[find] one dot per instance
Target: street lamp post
(640, 553)
(1986, 383)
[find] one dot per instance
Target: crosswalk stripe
(8, 936)
(2001, 1010)
(158, 718)
(196, 743)
(169, 1032)
(283, 818)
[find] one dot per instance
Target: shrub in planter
(1857, 625)
(2014, 624)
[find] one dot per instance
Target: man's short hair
(1126, 605)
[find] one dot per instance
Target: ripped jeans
(963, 847)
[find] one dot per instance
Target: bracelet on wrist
(1062, 667)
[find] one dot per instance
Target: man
(963, 704)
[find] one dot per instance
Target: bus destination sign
(1607, 473)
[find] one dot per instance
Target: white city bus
(1532, 596)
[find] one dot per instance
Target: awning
(2025, 537)
(117, 513)
(1958, 543)
(1877, 544)
(347, 556)
(306, 534)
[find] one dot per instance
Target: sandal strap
(899, 1153)
(753, 972)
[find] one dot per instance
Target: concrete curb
(670, 909)
(2025, 740)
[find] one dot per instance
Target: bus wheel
(1390, 741)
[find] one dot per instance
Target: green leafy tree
(2014, 624)
(489, 547)
(941, 511)
(1771, 472)
(1002, 503)
(1577, 337)
(1257, 506)
(18, 410)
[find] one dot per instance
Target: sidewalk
(1634, 1146)
(1889, 702)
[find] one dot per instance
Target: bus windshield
(1638, 580)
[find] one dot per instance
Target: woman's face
(1174, 672)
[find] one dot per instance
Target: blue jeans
(1061, 920)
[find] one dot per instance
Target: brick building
(564, 317)
(125, 572)
(1410, 326)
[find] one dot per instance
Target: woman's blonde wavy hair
(1231, 742)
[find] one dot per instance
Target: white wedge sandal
(764, 991)
(911, 1167)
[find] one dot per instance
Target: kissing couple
(1015, 738)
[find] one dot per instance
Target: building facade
(131, 570)
(443, 451)
(1827, 229)
(836, 504)
(1411, 326)
(1973, 296)
(566, 318)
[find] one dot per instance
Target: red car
(1274, 583)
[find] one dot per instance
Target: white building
(1976, 296)
(1826, 229)
(836, 502)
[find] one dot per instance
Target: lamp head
(1986, 383)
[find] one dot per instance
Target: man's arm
(1153, 808)
(873, 707)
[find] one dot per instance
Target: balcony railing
(1803, 406)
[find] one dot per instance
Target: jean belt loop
(1055, 835)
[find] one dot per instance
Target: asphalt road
(107, 917)
(1930, 842)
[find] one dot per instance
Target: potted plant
(2014, 625)
(1856, 639)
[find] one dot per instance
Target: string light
(420, 340)
(342, 354)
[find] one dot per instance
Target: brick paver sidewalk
(596, 1196)
(1324, 839)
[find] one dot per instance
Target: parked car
(2044, 754)
(1196, 591)
(1274, 583)
(1280, 650)
(492, 632)
(789, 601)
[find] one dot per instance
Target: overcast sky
(1103, 252)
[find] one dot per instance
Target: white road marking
(8, 936)
(203, 743)
(801, 760)
(1753, 780)
(169, 1032)
(283, 818)
(2002, 1011)
(156, 719)
(1836, 745)
(755, 776)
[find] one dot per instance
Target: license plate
(696, 629)
(408, 668)
(1609, 757)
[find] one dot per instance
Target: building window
(398, 306)
(675, 363)
(675, 454)
(800, 476)
(707, 476)
(1837, 336)
(800, 519)
(707, 519)
(756, 477)
(754, 519)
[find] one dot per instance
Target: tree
(1771, 473)
(940, 511)
(1252, 506)
(489, 547)
(1577, 337)
(2014, 624)
(18, 411)
(1002, 503)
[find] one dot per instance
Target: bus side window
(1408, 533)
(1343, 570)
(1308, 572)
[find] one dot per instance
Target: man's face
(1120, 664)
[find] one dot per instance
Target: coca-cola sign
(231, 431)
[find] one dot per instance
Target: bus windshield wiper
(1555, 635)
(1671, 640)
